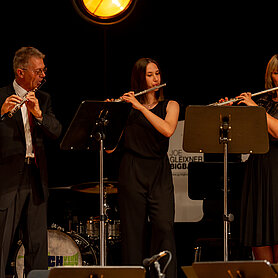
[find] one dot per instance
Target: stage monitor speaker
(97, 272)
(38, 274)
(246, 269)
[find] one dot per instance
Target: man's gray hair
(22, 56)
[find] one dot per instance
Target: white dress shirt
(28, 138)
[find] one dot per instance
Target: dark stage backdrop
(206, 51)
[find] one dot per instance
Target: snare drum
(64, 249)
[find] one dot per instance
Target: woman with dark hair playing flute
(146, 187)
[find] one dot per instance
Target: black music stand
(98, 272)
(211, 129)
(97, 125)
(247, 269)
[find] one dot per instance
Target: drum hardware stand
(206, 128)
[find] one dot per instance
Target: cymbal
(60, 188)
(93, 187)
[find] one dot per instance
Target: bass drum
(64, 249)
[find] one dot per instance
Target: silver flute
(24, 99)
(143, 92)
(238, 99)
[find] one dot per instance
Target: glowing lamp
(104, 12)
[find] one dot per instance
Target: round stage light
(104, 12)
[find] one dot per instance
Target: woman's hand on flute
(130, 98)
(109, 100)
(246, 98)
(225, 99)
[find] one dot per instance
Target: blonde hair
(266, 100)
(271, 67)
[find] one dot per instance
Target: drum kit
(80, 245)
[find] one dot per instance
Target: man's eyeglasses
(38, 71)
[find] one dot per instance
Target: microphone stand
(157, 267)
(154, 260)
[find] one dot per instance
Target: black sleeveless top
(271, 108)
(141, 138)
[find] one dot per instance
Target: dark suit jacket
(13, 147)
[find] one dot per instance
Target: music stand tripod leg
(100, 136)
(225, 202)
(102, 230)
(225, 127)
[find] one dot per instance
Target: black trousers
(30, 214)
(147, 211)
